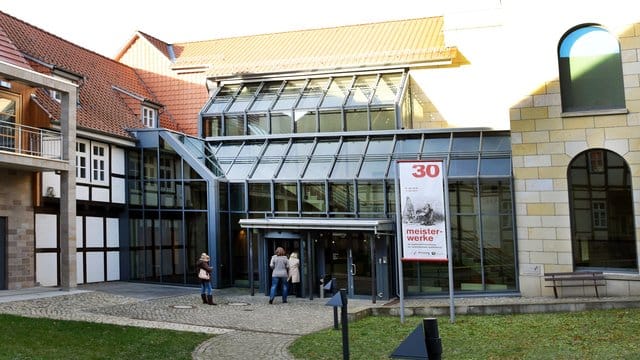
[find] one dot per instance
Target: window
(56, 95)
(590, 71)
(149, 117)
(602, 214)
(99, 164)
(82, 161)
(9, 117)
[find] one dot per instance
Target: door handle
(353, 269)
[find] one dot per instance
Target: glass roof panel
(436, 145)
(244, 98)
(352, 147)
(289, 95)
(223, 97)
(345, 169)
(407, 146)
(312, 93)
(380, 146)
(336, 93)
(292, 168)
(266, 96)
(362, 90)
(228, 150)
(387, 89)
(240, 170)
(275, 149)
(301, 148)
(249, 150)
(266, 169)
(318, 168)
(374, 168)
(326, 147)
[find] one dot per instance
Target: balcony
(23, 146)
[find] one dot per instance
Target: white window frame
(149, 117)
(99, 164)
(56, 95)
(82, 161)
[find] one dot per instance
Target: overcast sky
(105, 26)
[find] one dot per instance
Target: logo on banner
(423, 210)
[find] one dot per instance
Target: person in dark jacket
(204, 275)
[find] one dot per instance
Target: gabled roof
(391, 43)
(101, 107)
(160, 45)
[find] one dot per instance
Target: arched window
(590, 70)
(602, 219)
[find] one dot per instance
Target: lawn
(598, 334)
(36, 338)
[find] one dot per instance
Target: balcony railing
(27, 140)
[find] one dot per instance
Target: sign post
(423, 217)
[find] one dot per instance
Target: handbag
(203, 275)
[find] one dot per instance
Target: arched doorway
(601, 208)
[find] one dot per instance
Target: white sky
(105, 26)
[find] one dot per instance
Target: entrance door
(290, 242)
(349, 262)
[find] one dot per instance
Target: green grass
(36, 338)
(599, 334)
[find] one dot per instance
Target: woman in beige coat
(294, 274)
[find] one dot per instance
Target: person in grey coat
(280, 265)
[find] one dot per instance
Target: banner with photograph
(422, 206)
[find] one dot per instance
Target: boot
(204, 298)
(210, 300)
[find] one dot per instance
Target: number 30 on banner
(422, 170)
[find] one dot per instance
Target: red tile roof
(9, 53)
(101, 107)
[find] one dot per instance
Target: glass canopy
(321, 104)
(372, 157)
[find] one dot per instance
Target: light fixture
(5, 84)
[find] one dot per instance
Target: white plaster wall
(95, 266)
(113, 232)
(47, 269)
(82, 192)
(79, 268)
(46, 231)
(113, 265)
(117, 160)
(95, 231)
(100, 194)
(117, 190)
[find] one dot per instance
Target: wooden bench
(569, 279)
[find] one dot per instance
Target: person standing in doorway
(280, 265)
(294, 273)
(204, 275)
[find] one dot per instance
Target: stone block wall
(543, 144)
(16, 205)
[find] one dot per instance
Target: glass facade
(323, 104)
(168, 206)
(353, 176)
(318, 148)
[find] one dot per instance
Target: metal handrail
(28, 140)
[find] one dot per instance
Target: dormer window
(149, 117)
(55, 95)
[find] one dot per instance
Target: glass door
(348, 261)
